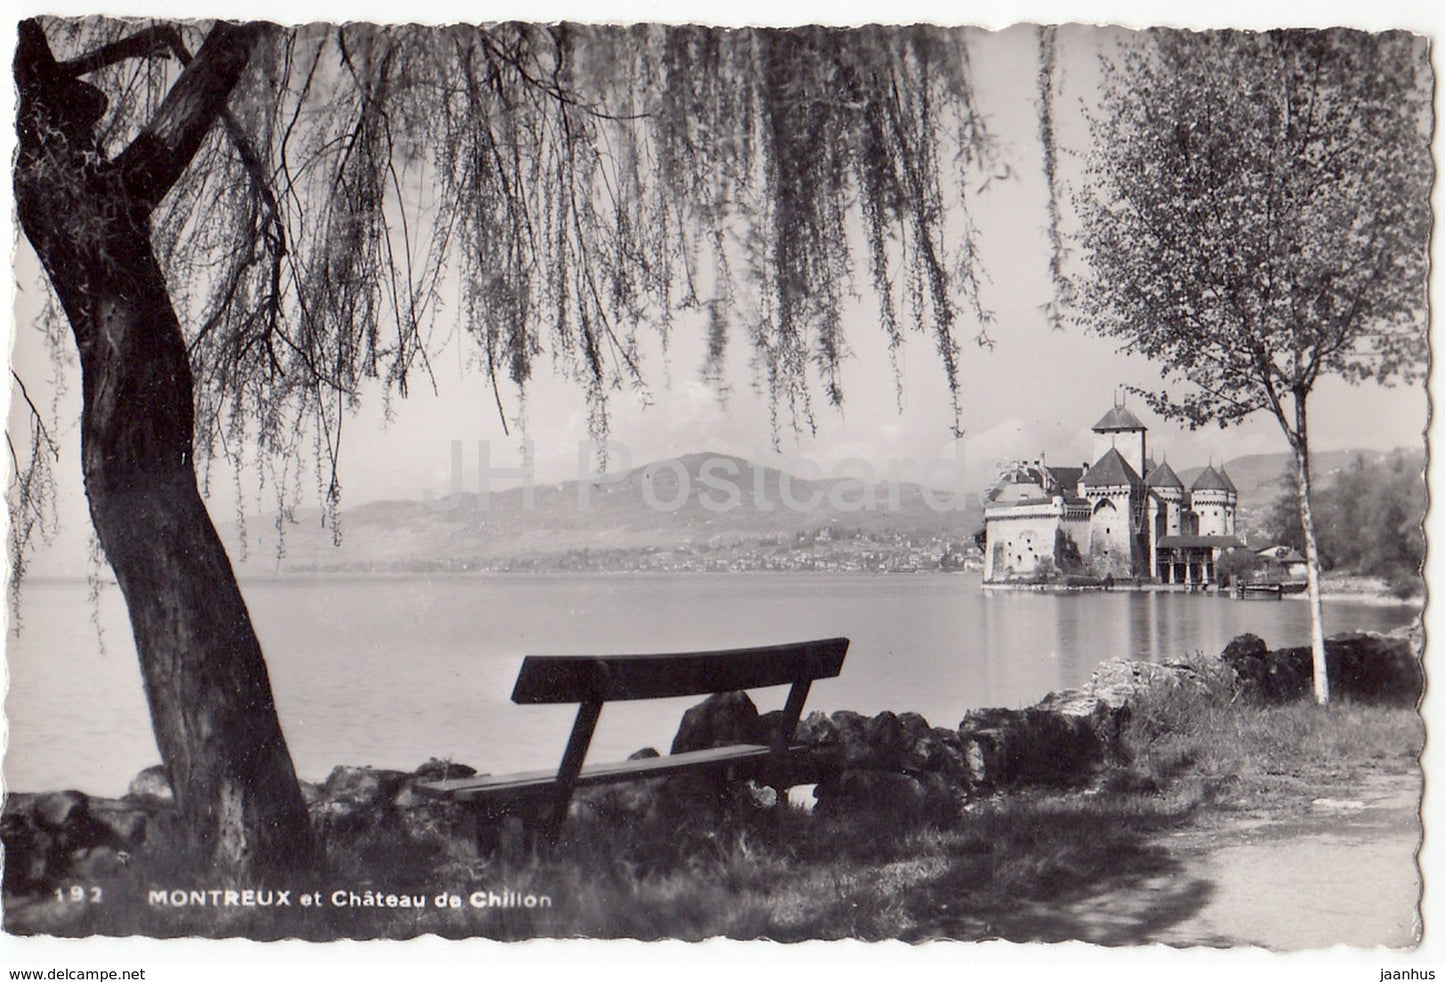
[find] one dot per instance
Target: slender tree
(1256, 217)
(246, 226)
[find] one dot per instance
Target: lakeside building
(1124, 516)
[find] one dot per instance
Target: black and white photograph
(575, 480)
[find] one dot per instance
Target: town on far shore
(1124, 519)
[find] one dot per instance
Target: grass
(1274, 758)
(675, 871)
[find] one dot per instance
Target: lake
(390, 671)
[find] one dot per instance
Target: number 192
(78, 894)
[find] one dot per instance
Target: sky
(1036, 391)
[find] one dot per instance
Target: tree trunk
(1312, 553)
(205, 679)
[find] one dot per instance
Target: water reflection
(1068, 632)
(393, 671)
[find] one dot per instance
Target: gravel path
(1342, 873)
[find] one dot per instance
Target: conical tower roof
(1118, 420)
(1111, 471)
(1210, 480)
(1163, 476)
(1224, 476)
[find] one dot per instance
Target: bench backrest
(604, 678)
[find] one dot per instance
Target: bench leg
(783, 736)
(572, 759)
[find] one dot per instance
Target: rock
(718, 721)
(887, 741)
(944, 796)
(851, 740)
(1263, 676)
(900, 797)
(1071, 702)
(757, 796)
(891, 765)
(849, 746)
(355, 799)
(44, 834)
(939, 751)
(1413, 633)
(1374, 668)
(1367, 667)
(58, 810)
(125, 825)
(1245, 646)
(768, 724)
(914, 725)
(816, 730)
(408, 798)
(362, 785)
(28, 849)
(153, 782)
(1118, 682)
(1010, 747)
(436, 769)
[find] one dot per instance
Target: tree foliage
(551, 194)
(1258, 215)
(1368, 517)
(244, 241)
(1237, 563)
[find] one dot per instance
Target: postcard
(568, 482)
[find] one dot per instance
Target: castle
(1124, 516)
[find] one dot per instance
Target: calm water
(391, 671)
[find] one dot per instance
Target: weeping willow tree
(245, 227)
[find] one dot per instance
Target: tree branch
(152, 164)
(50, 443)
(144, 44)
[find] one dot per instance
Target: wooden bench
(591, 681)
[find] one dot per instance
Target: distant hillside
(730, 514)
(1261, 477)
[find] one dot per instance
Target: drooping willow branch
(1062, 289)
(565, 184)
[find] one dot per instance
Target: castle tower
(1112, 488)
(1231, 504)
(1213, 499)
(1165, 510)
(1122, 431)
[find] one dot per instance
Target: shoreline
(1372, 595)
(1091, 783)
(1347, 589)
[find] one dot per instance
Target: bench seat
(483, 786)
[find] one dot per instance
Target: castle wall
(1214, 511)
(1111, 541)
(1019, 538)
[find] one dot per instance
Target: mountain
(703, 511)
(1261, 478)
(700, 511)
